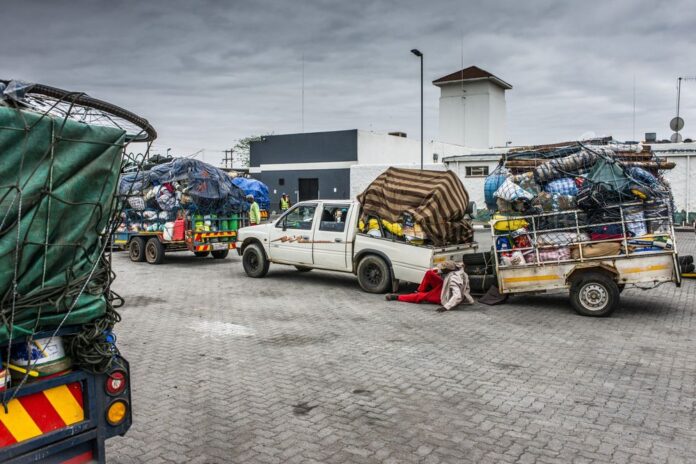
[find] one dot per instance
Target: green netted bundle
(58, 180)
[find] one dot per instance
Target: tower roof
(472, 73)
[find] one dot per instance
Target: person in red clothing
(428, 291)
(446, 285)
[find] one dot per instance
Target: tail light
(116, 383)
(117, 412)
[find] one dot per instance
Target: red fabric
(596, 236)
(429, 290)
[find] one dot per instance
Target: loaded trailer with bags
(182, 205)
(588, 219)
(64, 386)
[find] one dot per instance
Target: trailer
(203, 235)
(595, 272)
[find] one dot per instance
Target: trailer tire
(594, 294)
(373, 274)
(303, 268)
(220, 254)
(136, 249)
(154, 251)
(484, 258)
(201, 254)
(254, 261)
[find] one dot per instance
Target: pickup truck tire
(303, 268)
(201, 254)
(220, 254)
(483, 258)
(594, 294)
(254, 261)
(373, 275)
(154, 251)
(136, 250)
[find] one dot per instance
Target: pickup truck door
(291, 236)
(330, 236)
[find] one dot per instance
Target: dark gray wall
(314, 147)
(328, 179)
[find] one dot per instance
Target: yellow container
(506, 223)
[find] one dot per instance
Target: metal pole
(421, 63)
(678, 100)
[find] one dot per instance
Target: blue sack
(564, 186)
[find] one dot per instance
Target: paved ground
(306, 368)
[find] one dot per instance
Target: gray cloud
(209, 72)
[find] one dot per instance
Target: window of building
(281, 181)
(476, 171)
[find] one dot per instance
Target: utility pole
(228, 158)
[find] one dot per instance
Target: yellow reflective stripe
(19, 422)
(655, 267)
(65, 404)
(531, 278)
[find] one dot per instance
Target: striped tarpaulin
(437, 200)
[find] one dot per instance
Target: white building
(472, 108)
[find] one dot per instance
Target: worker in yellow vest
(284, 203)
(254, 211)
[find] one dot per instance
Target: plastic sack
(596, 250)
(509, 191)
(635, 222)
(491, 184)
(505, 223)
(559, 254)
(563, 186)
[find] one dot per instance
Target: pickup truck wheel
(374, 275)
(303, 268)
(594, 294)
(201, 254)
(136, 250)
(154, 251)
(254, 261)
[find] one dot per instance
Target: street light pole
(418, 53)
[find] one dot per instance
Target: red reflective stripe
(76, 390)
(80, 458)
(6, 438)
(42, 412)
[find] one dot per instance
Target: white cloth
(455, 289)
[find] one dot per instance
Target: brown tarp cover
(437, 200)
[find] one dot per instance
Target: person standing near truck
(254, 211)
(284, 203)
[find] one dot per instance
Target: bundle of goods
(164, 195)
(61, 159)
(420, 207)
(559, 196)
(256, 188)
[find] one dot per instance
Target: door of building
(308, 189)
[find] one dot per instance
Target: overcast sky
(206, 73)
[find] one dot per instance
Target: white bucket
(38, 352)
(168, 231)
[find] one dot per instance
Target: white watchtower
(472, 108)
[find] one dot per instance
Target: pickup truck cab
(324, 234)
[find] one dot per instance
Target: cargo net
(61, 156)
(579, 201)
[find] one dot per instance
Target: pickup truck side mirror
(285, 225)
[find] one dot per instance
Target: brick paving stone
(304, 367)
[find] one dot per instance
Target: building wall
(315, 147)
(362, 175)
(472, 114)
(329, 179)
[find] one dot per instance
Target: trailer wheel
(303, 268)
(594, 294)
(136, 249)
(220, 254)
(374, 275)
(254, 261)
(201, 254)
(154, 251)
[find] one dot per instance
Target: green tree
(240, 152)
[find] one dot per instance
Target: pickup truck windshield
(300, 217)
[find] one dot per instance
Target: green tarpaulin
(57, 183)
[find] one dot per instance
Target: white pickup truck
(324, 234)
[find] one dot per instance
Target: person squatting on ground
(447, 284)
